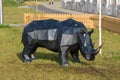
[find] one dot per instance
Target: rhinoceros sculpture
(68, 36)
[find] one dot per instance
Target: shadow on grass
(47, 56)
(19, 55)
(41, 55)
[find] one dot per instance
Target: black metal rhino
(68, 36)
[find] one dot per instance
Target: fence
(86, 18)
(108, 22)
(109, 7)
(90, 20)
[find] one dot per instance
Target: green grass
(4, 26)
(13, 14)
(105, 67)
(10, 3)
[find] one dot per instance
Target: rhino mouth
(90, 58)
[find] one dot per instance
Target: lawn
(13, 14)
(105, 67)
(17, 15)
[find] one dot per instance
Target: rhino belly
(51, 45)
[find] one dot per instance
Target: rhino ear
(82, 31)
(90, 32)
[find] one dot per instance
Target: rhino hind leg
(64, 56)
(27, 53)
(75, 56)
(33, 52)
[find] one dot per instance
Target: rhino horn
(94, 44)
(98, 49)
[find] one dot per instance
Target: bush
(10, 3)
(4, 26)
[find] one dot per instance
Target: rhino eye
(76, 24)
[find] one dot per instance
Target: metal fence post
(1, 12)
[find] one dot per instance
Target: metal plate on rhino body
(49, 34)
(68, 39)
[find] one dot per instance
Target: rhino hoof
(27, 61)
(65, 64)
(33, 58)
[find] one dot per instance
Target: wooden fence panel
(85, 18)
(108, 22)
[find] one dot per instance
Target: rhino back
(43, 32)
(39, 25)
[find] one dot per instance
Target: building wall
(109, 7)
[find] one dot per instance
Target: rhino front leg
(75, 56)
(63, 56)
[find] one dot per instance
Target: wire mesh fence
(109, 7)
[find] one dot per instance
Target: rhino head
(87, 46)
